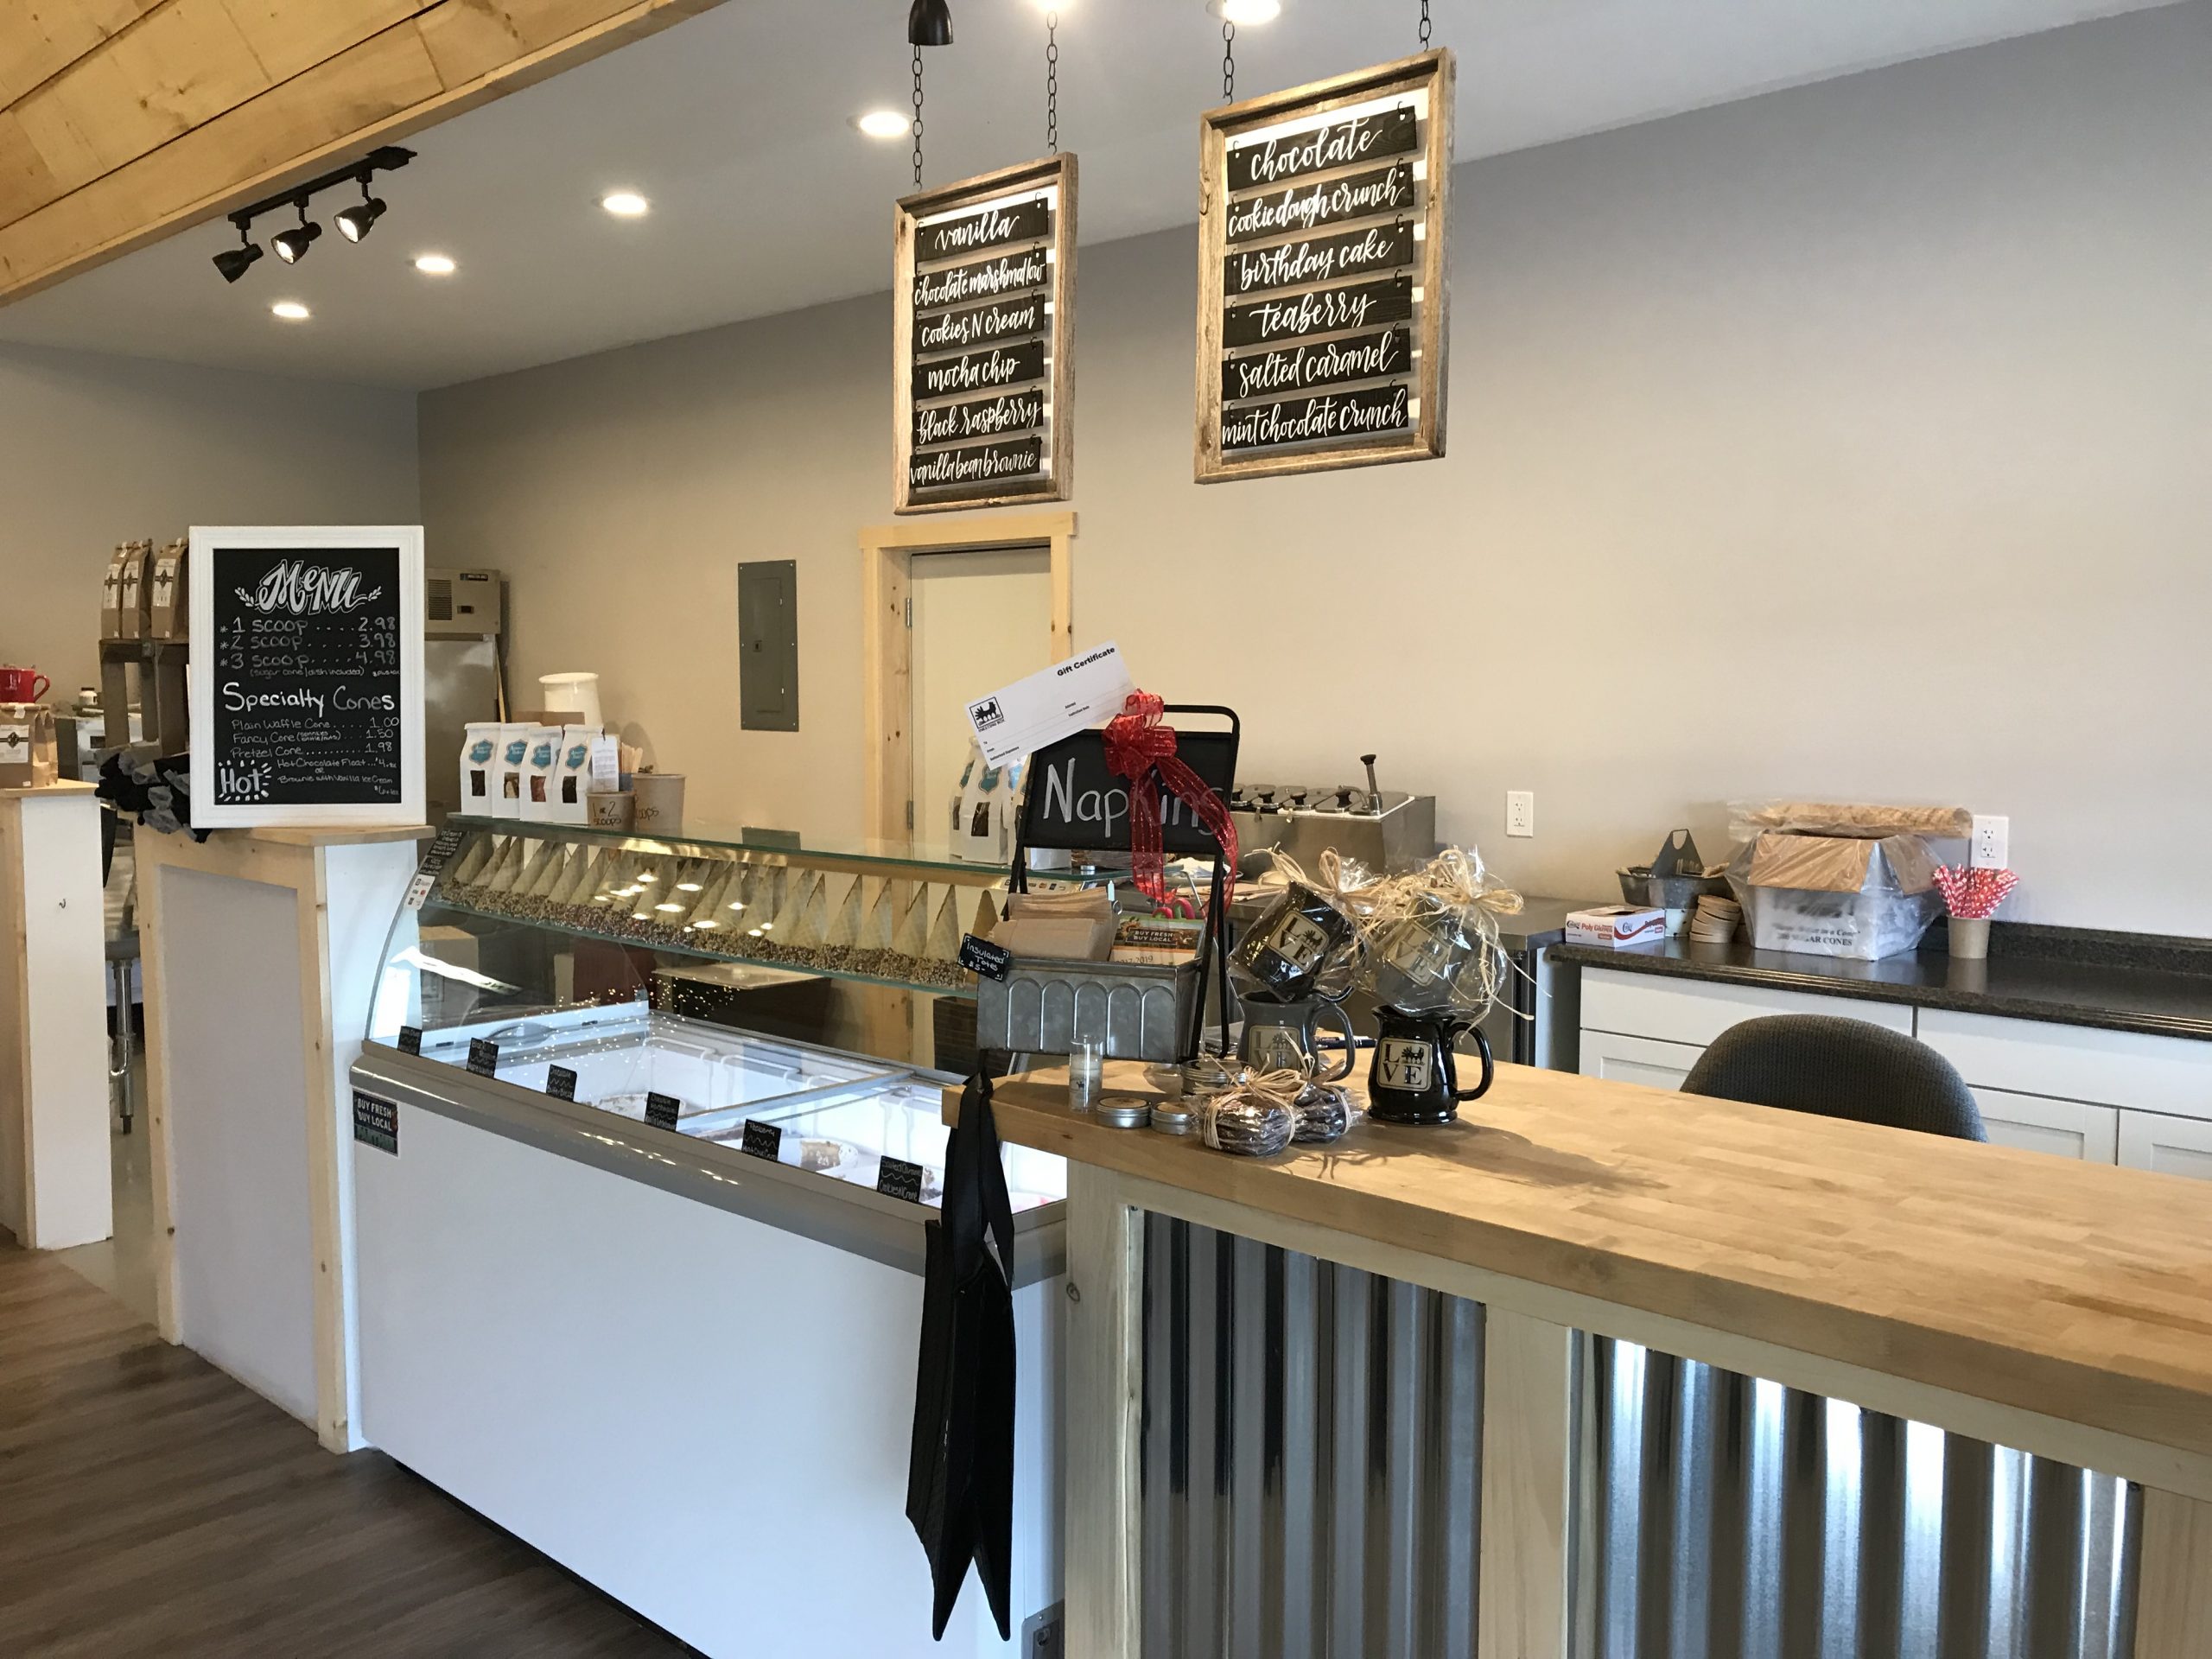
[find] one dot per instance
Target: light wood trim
(1056, 172)
(886, 645)
(1104, 1418)
(16, 1030)
(1527, 1474)
(1436, 72)
(2065, 1319)
(326, 1209)
(2174, 1603)
(199, 106)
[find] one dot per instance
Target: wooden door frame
(886, 640)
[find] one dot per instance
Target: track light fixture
(291, 246)
(928, 23)
(353, 222)
(234, 263)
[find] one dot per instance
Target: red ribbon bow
(1137, 746)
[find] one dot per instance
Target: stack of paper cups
(574, 694)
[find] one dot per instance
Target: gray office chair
(1837, 1068)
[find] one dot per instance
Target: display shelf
(687, 946)
(757, 846)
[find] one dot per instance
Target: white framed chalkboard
(306, 676)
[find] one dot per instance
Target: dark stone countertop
(2138, 982)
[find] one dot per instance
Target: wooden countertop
(2075, 1291)
(33, 791)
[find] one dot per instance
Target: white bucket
(572, 693)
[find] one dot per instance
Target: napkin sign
(898, 1178)
(561, 1083)
(483, 1057)
(661, 1110)
(764, 1141)
(982, 956)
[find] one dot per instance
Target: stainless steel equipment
(464, 671)
(1384, 830)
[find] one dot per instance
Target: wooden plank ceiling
(123, 121)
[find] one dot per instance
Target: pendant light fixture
(928, 23)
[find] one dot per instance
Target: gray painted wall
(1850, 441)
(96, 450)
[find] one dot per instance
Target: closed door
(2066, 1129)
(983, 620)
(2172, 1146)
(1638, 1060)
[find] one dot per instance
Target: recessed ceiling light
(625, 204)
(434, 265)
(1245, 12)
(883, 123)
(290, 310)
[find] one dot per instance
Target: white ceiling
(765, 199)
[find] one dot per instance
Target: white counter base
(704, 1415)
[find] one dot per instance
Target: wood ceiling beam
(129, 120)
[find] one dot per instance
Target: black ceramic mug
(1285, 1037)
(1416, 1076)
(1301, 942)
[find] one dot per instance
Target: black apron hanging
(960, 1482)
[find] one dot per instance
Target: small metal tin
(1174, 1117)
(1123, 1112)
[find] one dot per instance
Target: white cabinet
(1637, 1059)
(2173, 1146)
(1696, 1011)
(2069, 1128)
(2035, 1057)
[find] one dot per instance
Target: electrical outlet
(1520, 812)
(1990, 848)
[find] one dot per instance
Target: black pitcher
(1416, 1076)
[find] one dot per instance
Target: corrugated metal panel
(1313, 1457)
(1728, 1518)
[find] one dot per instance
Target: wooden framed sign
(985, 323)
(306, 677)
(1324, 274)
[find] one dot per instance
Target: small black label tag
(410, 1039)
(764, 1141)
(898, 1178)
(560, 1082)
(376, 1124)
(483, 1057)
(982, 956)
(661, 1110)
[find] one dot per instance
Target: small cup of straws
(1972, 897)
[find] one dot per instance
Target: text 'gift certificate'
(1088, 689)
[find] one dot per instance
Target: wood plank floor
(150, 1505)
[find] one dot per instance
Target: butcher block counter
(2062, 1309)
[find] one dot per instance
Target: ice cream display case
(572, 1196)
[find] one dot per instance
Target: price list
(308, 705)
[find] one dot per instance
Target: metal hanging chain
(1424, 25)
(1053, 81)
(917, 117)
(1228, 62)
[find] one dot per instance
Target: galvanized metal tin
(1142, 1011)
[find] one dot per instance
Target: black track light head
(930, 24)
(234, 263)
(292, 245)
(353, 222)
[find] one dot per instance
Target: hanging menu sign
(306, 677)
(984, 310)
(1323, 279)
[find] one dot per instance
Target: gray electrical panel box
(767, 631)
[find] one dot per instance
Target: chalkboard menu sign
(985, 313)
(1323, 274)
(306, 676)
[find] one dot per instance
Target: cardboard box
(111, 594)
(1859, 897)
(1616, 927)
